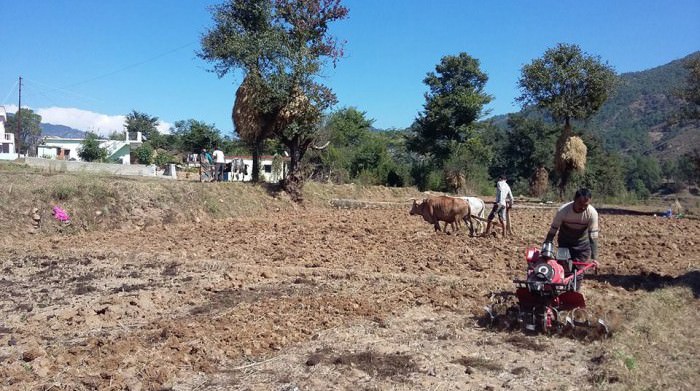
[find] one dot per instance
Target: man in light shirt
(219, 162)
(577, 224)
(504, 199)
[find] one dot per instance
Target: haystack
(539, 182)
(571, 154)
(247, 119)
(455, 180)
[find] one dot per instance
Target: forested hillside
(644, 113)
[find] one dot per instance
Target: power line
(10, 93)
(49, 88)
(130, 65)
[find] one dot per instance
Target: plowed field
(320, 298)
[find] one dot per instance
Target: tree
(455, 100)
(568, 84)
(116, 135)
(281, 46)
(195, 135)
(144, 153)
(90, 150)
(528, 145)
(142, 122)
(28, 138)
(691, 93)
(345, 129)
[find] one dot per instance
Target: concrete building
(69, 148)
(7, 140)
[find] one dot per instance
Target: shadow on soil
(651, 281)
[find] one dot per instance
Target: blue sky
(87, 63)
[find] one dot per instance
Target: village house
(68, 148)
(7, 140)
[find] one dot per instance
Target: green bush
(144, 153)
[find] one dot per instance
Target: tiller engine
(549, 299)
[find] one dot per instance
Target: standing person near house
(205, 161)
(504, 200)
(220, 163)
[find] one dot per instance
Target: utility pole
(18, 140)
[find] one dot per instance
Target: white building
(268, 172)
(68, 148)
(7, 140)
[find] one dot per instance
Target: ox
(443, 208)
(477, 208)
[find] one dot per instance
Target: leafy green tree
(195, 135)
(281, 47)
(90, 150)
(27, 139)
(568, 84)
(642, 171)
(142, 122)
(456, 98)
(162, 157)
(345, 129)
(526, 145)
(119, 136)
(144, 153)
(692, 90)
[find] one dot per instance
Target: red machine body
(551, 286)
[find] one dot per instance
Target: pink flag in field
(60, 214)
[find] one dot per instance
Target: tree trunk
(559, 164)
(293, 184)
(255, 174)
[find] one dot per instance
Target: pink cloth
(60, 214)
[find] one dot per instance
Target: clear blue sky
(108, 57)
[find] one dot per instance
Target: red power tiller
(549, 299)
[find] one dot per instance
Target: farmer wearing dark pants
(577, 224)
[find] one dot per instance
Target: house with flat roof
(61, 148)
(7, 140)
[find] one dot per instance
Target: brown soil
(318, 297)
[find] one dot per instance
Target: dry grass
(651, 351)
(571, 154)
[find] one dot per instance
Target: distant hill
(643, 115)
(61, 131)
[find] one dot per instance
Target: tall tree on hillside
(455, 100)
(692, 90)
(141, 122)
(28, 138)
(280, 45)
(568, 84)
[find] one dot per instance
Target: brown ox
(443, 208)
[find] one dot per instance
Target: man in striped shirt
(577, 224)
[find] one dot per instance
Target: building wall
(7, 140)
(265, 166)
(116, 169)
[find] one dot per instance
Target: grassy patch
(658, 347)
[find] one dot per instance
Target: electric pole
(18, 140)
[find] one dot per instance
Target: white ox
(478, 210)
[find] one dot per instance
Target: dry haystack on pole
(539, 182)
(251, 124)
